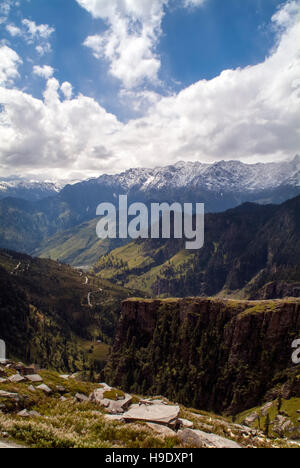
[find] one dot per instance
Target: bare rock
(34, 378)
(160, 414)
(251, 419)
(201, 439)
(17, 378)
(44, 388)
(81, 398)
(281, 424)
(27, 414)
(164, 431)
(9, 395)
(185, 423)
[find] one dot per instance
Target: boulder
(98, 395)
(164, 431)
(31, 388)
(112, 406)
(11, 396)
(81, 398)
(251, 419)
(16, 378)
(34, 378)
(119, 406)
(185, 423)
(201, 439)
(44, 388)
(2, 380)
(160, 414)
(27, 414)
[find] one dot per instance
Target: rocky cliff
(219, 355)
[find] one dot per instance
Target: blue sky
(135, 59)
(196, 43)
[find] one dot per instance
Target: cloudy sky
(93, 86)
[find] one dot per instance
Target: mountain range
(62, 226)
(30, 190)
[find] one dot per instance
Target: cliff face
(218, 355)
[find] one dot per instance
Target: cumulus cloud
(13, 30)
(250, 113)
(9, 63)
(129, 44)
(44, 72)
(130, 40)
(67, 90)
(34, 30)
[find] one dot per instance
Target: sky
(99, 86)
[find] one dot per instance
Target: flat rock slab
(201, 439)
(13, 396)
(34, 378)
(44, 388)
(160, 414)
(16, 378)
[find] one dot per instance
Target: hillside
(215, 355)
(48, 410)
(77, 246)
(54, 315)
(251, 252)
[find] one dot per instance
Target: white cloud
(249, 114)
(129, 44)
(67, 90)
(44, 72)
(13, 30)
(9, 63)
(193, 3)
(34, 30)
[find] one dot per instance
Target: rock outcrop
(219, 355)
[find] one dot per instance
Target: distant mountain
(245, 249)
(28, 190)
(56, 226)
(220, 186)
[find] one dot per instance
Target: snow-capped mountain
(30, 190)
(226, 176)
(220, 186)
